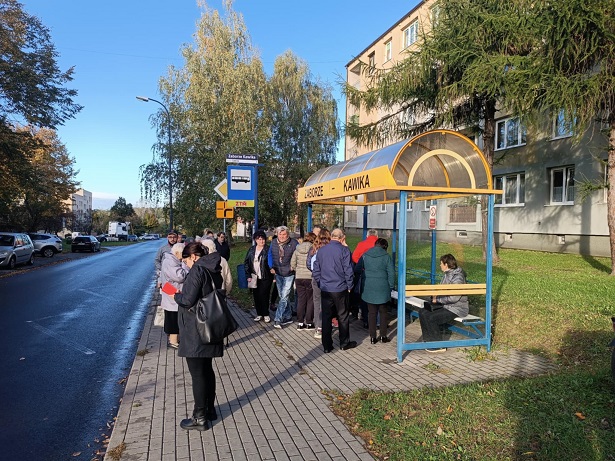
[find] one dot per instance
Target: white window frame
(409, 205)
(388, 50)
(411, 33)
(383, 208)
(428, 203)
(519, 178)
(567, 178)
(561, 128)
(509, 123)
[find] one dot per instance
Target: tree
(121, 211)
(221, 102)
(573, 70)
(38, 198)
(32, 94)
(458, 78)
(304, 136)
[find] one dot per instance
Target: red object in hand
(169, 289)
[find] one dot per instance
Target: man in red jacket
(356, 302)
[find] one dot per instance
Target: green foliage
(31, 86)
(121, 211)
(43, 180)
(221, 102)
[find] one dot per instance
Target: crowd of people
(327, 279)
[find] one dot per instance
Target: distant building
(79, 212)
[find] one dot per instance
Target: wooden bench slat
(447, 289)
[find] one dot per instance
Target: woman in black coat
(255, 264)
(199, 356)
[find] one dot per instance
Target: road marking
(60, 338)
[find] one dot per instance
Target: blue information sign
(240, 180)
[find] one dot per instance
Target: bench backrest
(447, 289)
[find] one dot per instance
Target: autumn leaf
(439, 431)
(580, 416)
(387, 417)
(449, 409)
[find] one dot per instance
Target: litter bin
(242, 281)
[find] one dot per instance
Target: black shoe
(349, 345)
(328, 350)
(198, 422)
(384, 339)
(212, 415)
(374, 340)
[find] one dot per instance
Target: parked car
(132, 238)
(46, 244)
(147, 237)
(15, 248)
(102, 238)
(85, 242)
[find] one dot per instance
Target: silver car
(46, 244)
(15, 248)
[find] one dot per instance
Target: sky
(120, 49)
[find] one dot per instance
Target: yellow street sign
(224, 211)
(240, 203)
(222, 189)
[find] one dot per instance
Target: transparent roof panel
(439, 159)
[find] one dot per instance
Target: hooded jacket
(456, 304)
(377, 276)
(298, 261)
(175, 272)
(198, 284)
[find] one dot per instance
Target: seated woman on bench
(454, 306)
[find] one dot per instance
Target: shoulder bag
(214, 320)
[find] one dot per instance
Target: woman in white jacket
(174, 271)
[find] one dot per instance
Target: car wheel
(48, 252)
(31, 260)
(12, 263)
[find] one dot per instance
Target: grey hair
(178, 248)
(372, 232)
(282, 229)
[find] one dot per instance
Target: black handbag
(214, 320)
(432, 306)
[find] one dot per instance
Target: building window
(509, 133)
(371, 61)
(383, 208)
(513, 186)
(562, 185)
(562, 128)
(409, 206)
(428, 203)
(605, 170)
(388, 51)
(411, 34)
(435, 16)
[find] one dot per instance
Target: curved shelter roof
(432, 165)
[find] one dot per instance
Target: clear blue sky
(120, 48)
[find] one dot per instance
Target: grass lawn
(555, 305)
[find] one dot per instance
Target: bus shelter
(434, 165)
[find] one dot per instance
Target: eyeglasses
(171, 236)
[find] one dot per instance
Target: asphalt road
(68, 337)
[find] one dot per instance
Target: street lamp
(146, 99)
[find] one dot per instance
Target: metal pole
(146, 99)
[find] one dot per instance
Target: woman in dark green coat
(377, 280)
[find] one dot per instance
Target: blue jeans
(284, 285)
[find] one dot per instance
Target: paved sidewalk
(271, 387)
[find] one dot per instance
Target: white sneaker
(267, 319)
(258, 318)
(318, 333)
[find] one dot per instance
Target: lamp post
(146, 99)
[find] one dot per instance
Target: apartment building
(80, 211)
(540, 171)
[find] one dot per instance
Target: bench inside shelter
(471, 326)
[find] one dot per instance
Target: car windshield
(81, 239)
(7, 240)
